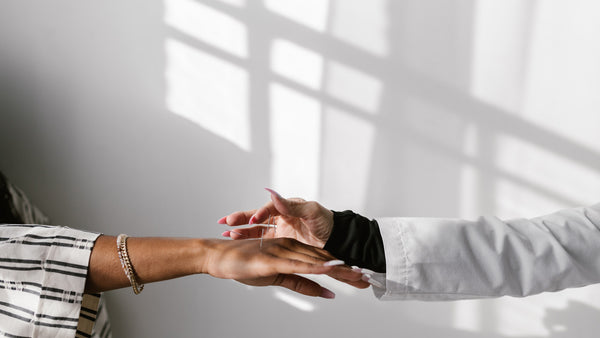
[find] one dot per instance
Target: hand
(307, 222)
(275, 263)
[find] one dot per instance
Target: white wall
(158, 117)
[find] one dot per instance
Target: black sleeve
(356, 240)
(7, 211)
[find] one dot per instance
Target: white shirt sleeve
(447, 259)
(43, 271)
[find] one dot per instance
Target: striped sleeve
(43, 271)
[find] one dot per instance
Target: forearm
(153, 259)
(439, 259)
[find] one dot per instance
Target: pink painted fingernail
(252, 219)
(334, 263)
(237, 233)
(222, 220)
(225, 234)
(273, 192)
(327, 294)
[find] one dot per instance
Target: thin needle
(262, 231)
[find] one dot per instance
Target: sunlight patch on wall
(514, 200)
(469, 176)
(563, 177)
(500, 44)
(467, 315)
(518, 317)
(208, 91)
(208, 25)
(297, 63)
(310, 13)
(236, 3)
(363, 24)
(353, 87)
(294, 301)
(564, 73)
(295, 142)
(349, 140)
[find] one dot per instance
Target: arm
(443, 259)
(156, 259)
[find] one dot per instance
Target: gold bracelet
(126, 263)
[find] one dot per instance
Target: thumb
(295, 208)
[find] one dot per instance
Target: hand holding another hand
(275, 263)
(306, 221)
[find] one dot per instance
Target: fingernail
(238, 233)
(369, 279)
(376, 283)
(225, 234)
(367, 271)
(273, 192)
(327, 294)
(222, 220)
(356, 269)
(334, 263)
(252, 219)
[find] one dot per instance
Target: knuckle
(312, 207)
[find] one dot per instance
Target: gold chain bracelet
(126, 263)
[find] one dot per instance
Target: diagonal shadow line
(439, 93)
(198, 44)
(488, 115)
(288, 29)
(461, 158)
(436, 92)
(423, 86)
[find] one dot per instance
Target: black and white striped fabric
(43, 271)
(42, 277)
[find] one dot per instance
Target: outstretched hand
(276, 262)
(307, 222)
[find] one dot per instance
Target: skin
(305, 221)
(275, 263)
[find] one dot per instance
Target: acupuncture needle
(266, 226)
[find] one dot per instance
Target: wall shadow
(84, 129)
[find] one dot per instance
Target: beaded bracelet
(126, 263)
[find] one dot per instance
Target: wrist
(326, 230)
(202, 253)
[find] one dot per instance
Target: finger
(295, 246)
(358, 284)
(234, 234)
(345, 274)
(262, 214)
(291, 248)
(349, 278)
(303, 286)
(290, 265)
(246, 233)
(237, 218)
(305, 253)
(295, 207)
